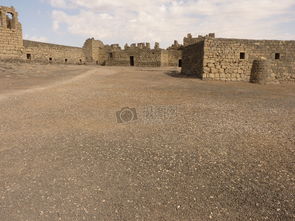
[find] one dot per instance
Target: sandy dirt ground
(192, 150)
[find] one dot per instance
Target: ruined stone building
(211, 58)
(13, 47)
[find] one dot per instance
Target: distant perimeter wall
(52, 53)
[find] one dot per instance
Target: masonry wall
(142, 57)
(165, 58)
(174, 56)
(192, 59)
(51, 53)
(118, 58)
(11, 42)
(222, 58)
(95, 51)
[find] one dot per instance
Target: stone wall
(232, 59)
(144, 58)
(11, 42)
(174, 57)
(95, 51)
(52, 53)
(192, 59)
(140, 53)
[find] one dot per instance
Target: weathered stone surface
(11, 41)
(232, 59)
(192, 60)
(262, 73)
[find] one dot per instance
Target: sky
(71, 22)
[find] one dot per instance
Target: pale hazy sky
(70, 22)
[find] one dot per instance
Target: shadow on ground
(178, 74)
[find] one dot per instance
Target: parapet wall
(190, 40)
(232, 59)
(52, 53)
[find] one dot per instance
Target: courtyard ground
(193, 150)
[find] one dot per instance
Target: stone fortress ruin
(205, 57)
(13, 47)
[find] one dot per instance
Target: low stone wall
(52, 53)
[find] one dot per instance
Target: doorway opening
(180, 63)
(131, 60)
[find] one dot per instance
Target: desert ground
(193, 150)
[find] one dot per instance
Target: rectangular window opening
(29, 56)
(0, 19)
(66, 60)
(277, 56)
(242, 55)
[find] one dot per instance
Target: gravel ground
(195, 150)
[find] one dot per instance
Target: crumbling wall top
(190, 40)
(9, 18)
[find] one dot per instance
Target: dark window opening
(66, 60)
(10, 20)
(96, 62)
(29, 56)
(242, 55)
(50, 59)
(180, 63)
(0, 19)
(277, 56)
(80, 61)
(131, 60)
(111, 55)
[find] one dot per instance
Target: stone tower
(95, 51)
(11, 40)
